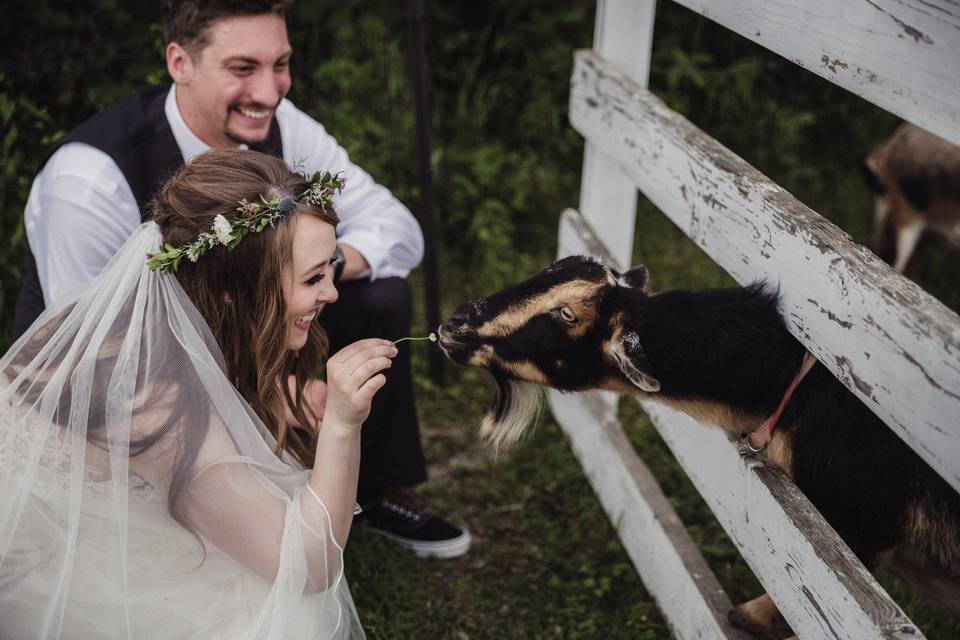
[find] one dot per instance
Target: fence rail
(890, 343)
(818, 583)
(899, 54)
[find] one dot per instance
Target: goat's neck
(721, 355)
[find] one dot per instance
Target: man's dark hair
(187, 22)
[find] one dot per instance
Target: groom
(230, 64)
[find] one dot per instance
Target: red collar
(761, 437)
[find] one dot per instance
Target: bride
(151, 480)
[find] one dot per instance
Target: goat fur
(723, 355)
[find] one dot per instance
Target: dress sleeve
(79, 213)
(276, 526)
(372, 220)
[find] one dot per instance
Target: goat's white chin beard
(515, 408)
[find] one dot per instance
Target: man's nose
(268, 87)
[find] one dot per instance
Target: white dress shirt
(81, 209)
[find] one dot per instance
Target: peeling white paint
(898, 54)
(890, 342)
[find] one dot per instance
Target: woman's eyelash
(315, 279)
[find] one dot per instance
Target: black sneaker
(407, 525)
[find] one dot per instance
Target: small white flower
(223, 229)
(193, 252)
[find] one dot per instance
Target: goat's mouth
(455, 343)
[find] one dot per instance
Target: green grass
(545, 562)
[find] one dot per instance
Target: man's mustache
(255, 106)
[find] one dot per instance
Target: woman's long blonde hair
(239, 292)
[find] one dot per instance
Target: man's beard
(240, 138)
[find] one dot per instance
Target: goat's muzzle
(457, 338)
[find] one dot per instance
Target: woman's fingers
(368, 367)
(354, 348)
(355, 361)
(354, 376)
(356, 365)
(370, 388)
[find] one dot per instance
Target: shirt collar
(190, 144)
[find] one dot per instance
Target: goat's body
(723, 356)
(729, 349)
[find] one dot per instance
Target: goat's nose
(461, 314)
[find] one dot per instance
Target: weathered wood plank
(670, 565)
(623, 33)
(816, 581)
(899, 54)
(889, 342)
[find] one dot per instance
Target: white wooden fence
(889, 342)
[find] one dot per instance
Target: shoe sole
(444, 550)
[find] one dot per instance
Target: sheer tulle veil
(141, 496)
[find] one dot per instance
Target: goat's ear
(871, 176)
(638, 277)
(632, 360)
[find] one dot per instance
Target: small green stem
(432, 338)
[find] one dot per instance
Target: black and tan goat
(726, 357)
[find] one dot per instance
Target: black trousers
(390, 451)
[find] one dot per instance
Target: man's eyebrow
(243, 59)
(248, 60)
(316, 266)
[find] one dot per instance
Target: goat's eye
(566, 314)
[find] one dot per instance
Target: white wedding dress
(114, 414)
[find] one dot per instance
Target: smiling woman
(308, 282)
(154, 487)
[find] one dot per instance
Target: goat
(915, 179)
(723, 356)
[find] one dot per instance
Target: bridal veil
(140, 496)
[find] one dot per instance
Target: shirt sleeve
(372, 220)
(79, 213)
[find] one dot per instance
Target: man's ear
(632, 360)
(638, 277)
(179, 63)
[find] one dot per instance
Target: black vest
(136, 134)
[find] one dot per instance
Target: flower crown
(254, 216)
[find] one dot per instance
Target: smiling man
(230, 65)
(232, 77)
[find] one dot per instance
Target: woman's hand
(353, 378)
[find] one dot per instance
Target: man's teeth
(254, 114)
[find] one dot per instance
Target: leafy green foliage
(60, 65)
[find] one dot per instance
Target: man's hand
(354, 262)
(314, 397)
